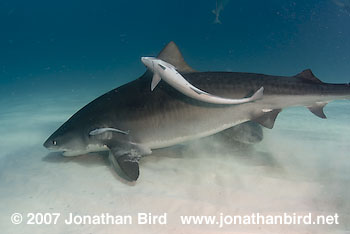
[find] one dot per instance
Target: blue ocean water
(46, 44)
(56, 56)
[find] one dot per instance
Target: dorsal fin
(308, 75)
(171, 54)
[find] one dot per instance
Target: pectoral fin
(125, 156)
(128, 164)
(268, 119)
(317, 109)
(156, 79)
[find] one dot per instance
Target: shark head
(69, 140)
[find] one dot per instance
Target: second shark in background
(220, 4)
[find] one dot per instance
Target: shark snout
(46, 144)
(50, 143)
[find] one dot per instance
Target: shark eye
(54, 142)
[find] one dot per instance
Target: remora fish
(167, 72)
(142, 120)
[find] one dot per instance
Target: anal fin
(317, 109)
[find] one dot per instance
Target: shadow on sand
(242, 153)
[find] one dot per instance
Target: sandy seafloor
(301, 166)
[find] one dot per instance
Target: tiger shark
(130, 121)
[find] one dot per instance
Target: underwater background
(56, 56)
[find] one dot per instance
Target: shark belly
(178, 126)
(190, 122)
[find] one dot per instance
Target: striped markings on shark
(131, 120)
(167, 72)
